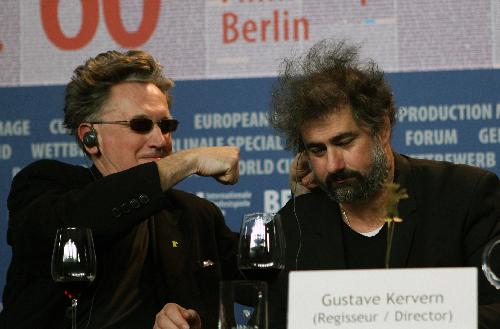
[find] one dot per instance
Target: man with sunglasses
(159, 250)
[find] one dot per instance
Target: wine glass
(261, 249)
(73, 263)
(243, 305)
(490, 262)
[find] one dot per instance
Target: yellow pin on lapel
(175, 243)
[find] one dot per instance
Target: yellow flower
(395, 193)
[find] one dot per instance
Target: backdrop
(440, 57)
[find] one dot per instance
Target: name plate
(427, 298)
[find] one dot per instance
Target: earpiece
(90, 138)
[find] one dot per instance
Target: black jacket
(150, 247)
(451, 213)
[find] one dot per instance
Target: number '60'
(90, 18)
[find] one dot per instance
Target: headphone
(297, 255)
(90, 138)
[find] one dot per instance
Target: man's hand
(301, 179)
(174, 316)
(221, 162)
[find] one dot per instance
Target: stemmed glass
(73, 263)
(491, 262)
(261, 249)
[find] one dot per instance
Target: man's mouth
(152, 157)
(338, 181)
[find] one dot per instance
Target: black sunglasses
(144, 125)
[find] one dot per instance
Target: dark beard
(360, 188)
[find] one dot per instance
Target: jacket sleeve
(49, 194)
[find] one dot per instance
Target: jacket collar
(320, 225)
(96, 174)
(403, 232)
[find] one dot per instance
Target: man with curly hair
(337, 113)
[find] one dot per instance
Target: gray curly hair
(328, 77)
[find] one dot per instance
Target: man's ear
(385, 133)
(88, 137)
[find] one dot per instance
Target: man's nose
(335, 160)
(157, 138)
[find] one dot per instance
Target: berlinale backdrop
(440, 57)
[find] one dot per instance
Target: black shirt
(362, 252)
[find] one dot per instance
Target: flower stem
(390, 234)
